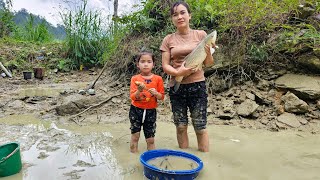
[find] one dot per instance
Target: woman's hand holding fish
(207, 49)
(184, 71)
(210, 49)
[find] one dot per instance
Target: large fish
(197, 56)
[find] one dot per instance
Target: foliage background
(252, 35)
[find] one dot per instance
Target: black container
(27, 75)
(38, 72)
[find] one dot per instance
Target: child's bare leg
(150, 143)
(134, 142)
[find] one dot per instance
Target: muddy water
(49, 152)
(31, 92)
(173, 163)
(46, 90)
(53, 151)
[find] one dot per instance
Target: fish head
(211, 38)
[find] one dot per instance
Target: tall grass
(33, 32)
(85, 39)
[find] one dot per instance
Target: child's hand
(153, 91)
(140, 85)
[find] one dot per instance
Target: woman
(192, 91)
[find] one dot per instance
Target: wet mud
(97, 146)
(53, 151)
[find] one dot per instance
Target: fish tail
(176, 86)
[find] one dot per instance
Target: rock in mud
(318, 104)
(289, 119)
(83, 164)
(293, 104)
(247, 108)
(305, 87)
(42, 155)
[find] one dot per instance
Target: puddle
(42, 92)
(51, 90)
(24, 119)
(53, 153)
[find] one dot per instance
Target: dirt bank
(93, 142)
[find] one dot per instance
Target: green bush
(6, 22)
(152, 18)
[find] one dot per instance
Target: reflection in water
(61, 154)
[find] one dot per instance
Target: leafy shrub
(257, 53)
(152, 17)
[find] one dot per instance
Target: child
(145, 89)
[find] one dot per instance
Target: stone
(226, 116)
(82, 92)
(289, 119)
(281, 125)
(305, 87)
(227, 106)
(67, 109)
(293, 104)
(91, 91)
(264, 121)
(318, 104)
(247, 108)
(250, 96)
(263, 85)
(261, 99)
(302, 121)
(310, 62)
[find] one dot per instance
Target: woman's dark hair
(138, 56)
(177, 4)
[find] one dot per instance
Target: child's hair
(138, 56)
(177, 4)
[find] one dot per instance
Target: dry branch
(94, 106)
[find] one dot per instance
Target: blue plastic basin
(152, 172)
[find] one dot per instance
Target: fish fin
(176, 86)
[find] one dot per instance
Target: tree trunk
(115, 8)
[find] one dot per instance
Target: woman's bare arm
(167, 68)
(209, 61)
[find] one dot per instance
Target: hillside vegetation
(253, 36)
